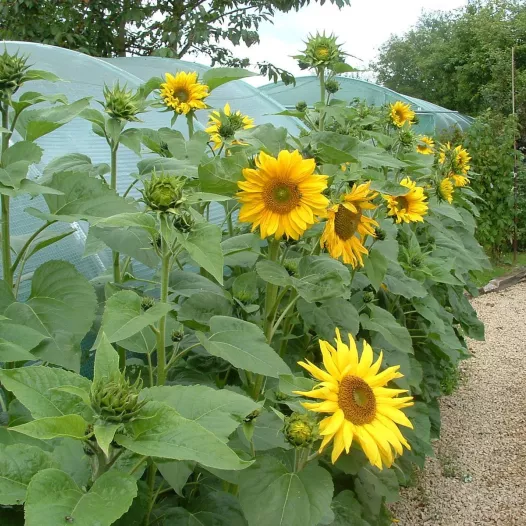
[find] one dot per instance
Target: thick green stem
(190, 121)
(113, 185)
(152, 471)
(322, 96)
(6, 234)
(161, 337)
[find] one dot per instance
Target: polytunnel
(432, 118)
(85, 76)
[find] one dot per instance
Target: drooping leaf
(375, 266)
(61, 306)
(186, 284)
(243, 344)
(176, 473)
(53, 495)
(16, 341)
(105, 433)
(397, 282)
(271, 493)
(383, 322)
(73, 426)
(216, 77)
(199, 308)
(321, 278)
(164, 433)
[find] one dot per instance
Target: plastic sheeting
(432, 118)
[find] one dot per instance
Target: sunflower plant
(279, 365)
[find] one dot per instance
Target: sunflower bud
(332, 86)
(407, 138)
(147, 302)
(300, 430)
(163, 193)
(183, 221)
(177, 336)
(122, 104)
(368, 297)
(380, 233)
(291, 266)
(301, 106)
(115, 399)
(416, 260)
(321, 51)
(13, 69)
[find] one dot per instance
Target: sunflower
(183, 93)
(401, 113)
(362, 407)
(426, 145)
(223, 125)
(282, 195)
(459, 180)
(462, 159)
(446, 189)
(347, 226)
(408, 207)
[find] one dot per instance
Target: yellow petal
(338, 445)
(335, 423)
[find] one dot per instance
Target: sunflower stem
(113, 185)
(321, 75)
(161, 337)
(190, 122)
(6, 233)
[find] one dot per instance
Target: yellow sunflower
(446, 189)
(459, 180)
(426, 145)
(462, 158)
(347, 226)
(282, 195)
(401, 113)
(409, 207)
(362, 407)
(223, 125)
(183, 93)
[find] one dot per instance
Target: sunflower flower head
(347, 226)
(223, 125)
(282, 195)
(459, 180)
(401, 113)
(321, 51)
(426, 145)
(455, 160)
(183, 93)
(353, 392)
(13, 69)
(445, 190)
(409, 207)
(300, 430)
(163, 193)
(122, 104)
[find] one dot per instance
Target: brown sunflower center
(402, 202)
(182, 95)
(357, 401)
(346, 223)
(400, 114)
(282, 197)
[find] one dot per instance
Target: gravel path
(479, 475)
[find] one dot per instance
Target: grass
(504, 265)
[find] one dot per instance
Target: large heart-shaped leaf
(16, 341)
(54, 498)
(384, 323)
(72, 426)
(61, 306)
(243, 344)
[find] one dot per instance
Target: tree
(461, 59)
(174, 28)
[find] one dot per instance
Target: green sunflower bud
(147, 302)
(163, 193)
(122, 104)
(332, 86)
(183, 221)
(407, 138)
(380, 233)
(291, 266)
(13, 69)
(177, 336)
(368, 297)
(300, 430)
(416, 261)
(301, 106)
(321, 50)
(115, 399)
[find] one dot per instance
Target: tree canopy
(461, 59)
(174, 28)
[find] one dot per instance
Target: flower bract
(282, 195)
(183, 93)
(361, 407)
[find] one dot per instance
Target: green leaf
(465, 313)
(18, 464)
(321, 278)
(221, 174)
(347, 510)
(273, 273)
(397, 282)
(383, 322)
(186, 284)
(43, 240)
(197, 310)
(203, 244)
(216, 77)
(16, 341)
(272, 494)
(167, 166)
(104, 433)
(163, 433)
(331, 314)
(61, 306)
(267, 432)
(289, 383)
(192, 151)
(75, 162)
(375, 266)
(241, 251)
(73, 426)
(106, 359)
(176, 473)
(33, 124)
(70, 457)
(53, 495)
(38, 74)
(266, 137)
(35, 387)
(445, 210)
(244, 345)
(131, 138)
(219, 411)
(389, 188)
(123, 316)
(342, 67)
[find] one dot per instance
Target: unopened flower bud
(122, 104)
(368, 297)
(300, 430)
(301, 106)
(291, 266)
(380, 233)
(147, 302)
(163, 192)
(176, 336)
(332, 86)
(13, 69)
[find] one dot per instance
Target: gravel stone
(478, 477)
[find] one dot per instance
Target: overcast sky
(362, 28)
